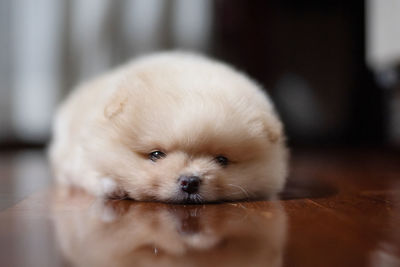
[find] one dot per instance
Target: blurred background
(332, 67)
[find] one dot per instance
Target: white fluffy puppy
(173, 127)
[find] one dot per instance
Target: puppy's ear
(124, 90)
(116, 103)
(273, 128)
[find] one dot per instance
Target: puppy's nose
(189, 184)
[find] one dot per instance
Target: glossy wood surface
(340, 208)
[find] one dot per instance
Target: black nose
(189, 184)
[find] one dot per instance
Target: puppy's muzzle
(189, 184)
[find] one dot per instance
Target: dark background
(318, 43)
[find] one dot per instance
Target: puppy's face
(177, 146)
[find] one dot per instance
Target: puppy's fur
(191, 108)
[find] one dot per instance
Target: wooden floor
(341, 208)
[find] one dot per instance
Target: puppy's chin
(180, 198)
(185, 198)
(177, 196)
(174, 197)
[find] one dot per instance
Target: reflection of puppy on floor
(172, 127)
(126, 233)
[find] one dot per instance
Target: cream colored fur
(190, 107)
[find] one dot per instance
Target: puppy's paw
(110, 189)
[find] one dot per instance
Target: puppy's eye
(221, 160)
(155, 155)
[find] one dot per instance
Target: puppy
(173, 127)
